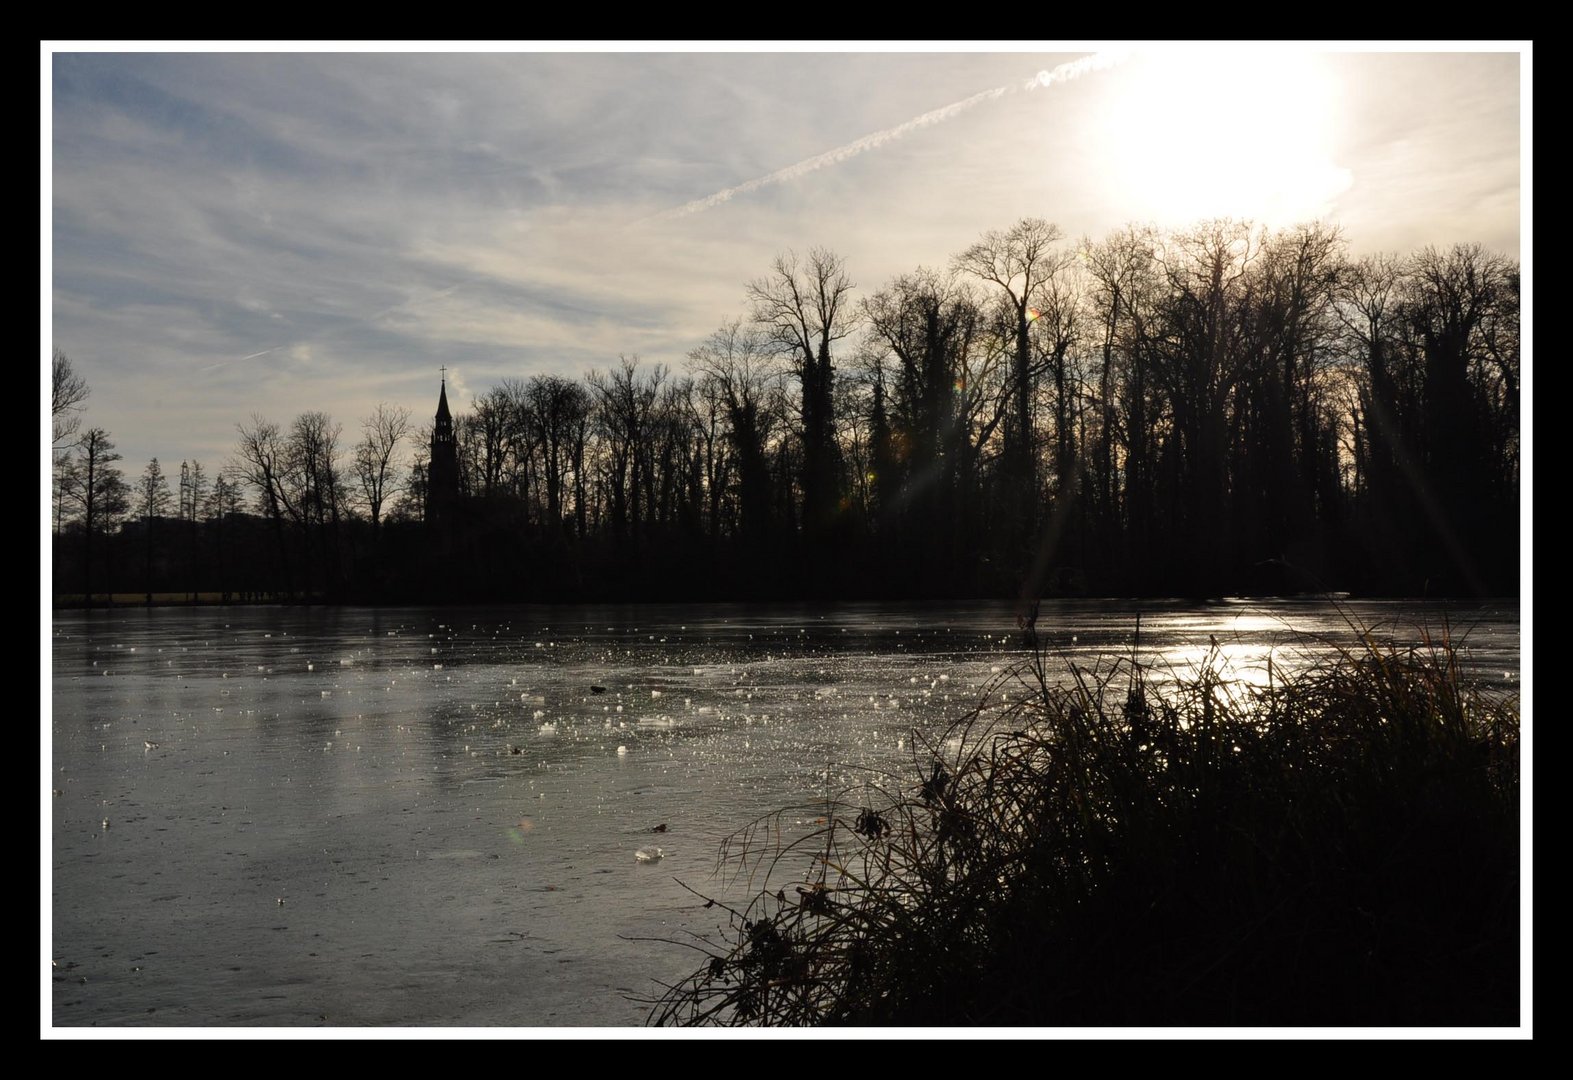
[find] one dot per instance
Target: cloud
(460, 389)
(1043, 79)
(275, 233)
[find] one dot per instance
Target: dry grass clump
(1336, 848)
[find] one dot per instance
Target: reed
(1089, 848)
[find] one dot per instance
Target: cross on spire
(444, 422)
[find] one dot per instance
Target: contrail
(1064, 73)
(242, 360)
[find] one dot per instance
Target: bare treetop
(804, 306)
(1024, 253)
(70, 390)
(382, 432)
(736, 357)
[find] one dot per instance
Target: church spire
(442, 475)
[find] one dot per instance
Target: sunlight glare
(1241, 665)
(1223, 133)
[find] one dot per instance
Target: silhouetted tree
(714, 454)
(495, 430)
(411, 507)
(193, 488)
(98, 492)
(624, 401)
(69, 391)
(1199, 354)
(1122, 292)
(1017, 261)
(884, 474)
(262, 462)
(152, 503)
(311, 475)
(221, 506)
(561, 408)
(1434, 342)
(739, 362)
(804, 308)
(62, 476)
(381, 434)
(1056, 333)
(1207, 409)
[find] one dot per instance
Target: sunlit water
(336, 817)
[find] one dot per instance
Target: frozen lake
(268, 816)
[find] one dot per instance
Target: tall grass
(1335, 848)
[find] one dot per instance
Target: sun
(1243, 132)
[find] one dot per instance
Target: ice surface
(438, 877)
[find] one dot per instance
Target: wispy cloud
(238, 233)
(1063, 73)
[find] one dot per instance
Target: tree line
(1219, 409)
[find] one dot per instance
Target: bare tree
(219, 507)
(624, 401)
(1018, 261)
(262, 464)
(805, 308)
(69, 392)
(1058, 331)
(411, 506)
(99, 492)
(152, 503)
(64, 477)
(1286, 384)
(915, 322)
(193, 487)
(560, 407)
(713, 452)
(311, 458)
(933, 359)
(1121, 271)
(1200, 352)
(522, 440)
(495, 428)
(1456, 304)
(737, 360)
(382, 432)
(1370, 292)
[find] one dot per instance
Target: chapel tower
(442, 476)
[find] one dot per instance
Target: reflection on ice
(1241, 663)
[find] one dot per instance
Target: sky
(231, 232)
